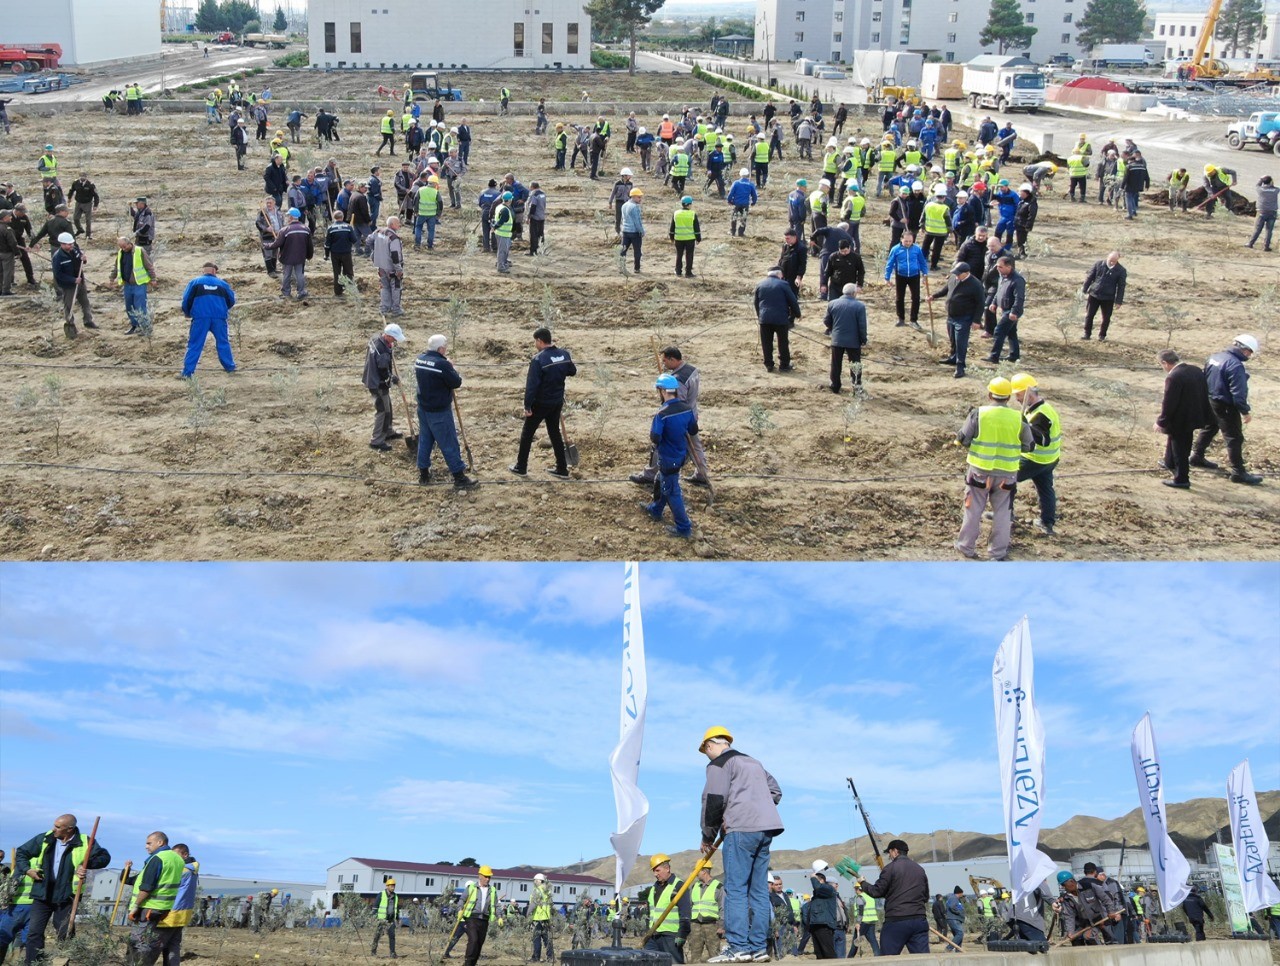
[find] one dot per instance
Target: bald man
(55, 861)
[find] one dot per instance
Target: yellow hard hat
(433, 179)
(275, 892)
(1000, 387)
(391, 113)
(486, 871)
(1141, 890)
(625, 899)
(657, 859)
(635, 193)
(1004, 895)
(1022, 381)
(715, 731)
(1053, 167)
(387, 883)
(1083, 135)
(1209, 169)
(961, 145)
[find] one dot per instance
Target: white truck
(991, 81)
(1125, 56)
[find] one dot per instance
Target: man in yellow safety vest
(996, 436)
(707, 929)
(388, 917)
(155, 888)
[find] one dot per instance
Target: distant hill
(1191, 824)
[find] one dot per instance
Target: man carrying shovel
(544, 402)
(379, 377)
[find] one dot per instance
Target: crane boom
(1206, 36)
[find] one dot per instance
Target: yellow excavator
(1204, 67)
(979, 882)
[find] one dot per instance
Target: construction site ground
(106, 454)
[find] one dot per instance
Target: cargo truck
(1004, 83)
(1123, 56)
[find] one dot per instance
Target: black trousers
(838, 354)
(1177, 455)
(537, 229)
(665, 942)
(824, 941)
(551, 416)
(1092, 305)
(342, 265)
(933, 243)
(684, 250)
(41, 913)
(1229, 423)
(905, 282)
(780, 332)
(477, 929)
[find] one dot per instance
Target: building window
(330, 37)
(951, 56)
(875, 17)
(905, 37)
(573, 38)
(839, 17)
(875, 38)
(556, 890)
(573, 890)
(799, 16)
(385, 878)
(339, 880)
(548, 35)
(355, 878)
(431, 882)
(1066, 18)
(1182, 30)
(518, 40)
(951, 38)
(837, 38)
(1162, 30)
(524, 887)
(953, 17)
(1193, 30)
(355, 36)
(1031, 18)
(799, 36)
(1066, 38)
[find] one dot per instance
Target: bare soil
(128, 466)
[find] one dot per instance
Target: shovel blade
(411, 444)
(571, 454)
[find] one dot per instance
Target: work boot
(463, 482)
(900, 323)
(1197, 459)
(641, 479)
(1245, 477)
(558, 473)
(424, 477)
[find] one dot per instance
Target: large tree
(1240, 26)
(208, 16)
(1007, 27)
(281, 23)
(622, 18)
(1111, 22)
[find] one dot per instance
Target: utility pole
(933, 845)
(951, 855)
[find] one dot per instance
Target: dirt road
(179, 64)
(118, 458)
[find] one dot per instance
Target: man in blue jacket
(1229, 399)
(437, 379)
(956, 916)
(544, 401)
(906, 262)
(742, 197)
(672, 425)
(206, 302)
(68, 276)
(52, 861)
(777, 309)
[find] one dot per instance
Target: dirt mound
(1238, 204)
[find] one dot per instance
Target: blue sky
(282, 717)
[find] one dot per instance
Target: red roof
(469, 871)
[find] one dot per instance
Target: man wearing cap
(58, 224)
(479, 904)
(1228, 383)
(740, 801)
(544, 401)
(996, 436)
(954, 912)
(437, 379)
(1006, 304)
(741, 198)
(672, 427)
(686, 232)
(133, 271)
(388, 915)
(965, 298)
(85, 195)
(144, 224)
(339, 244)
(618, 197)
(904, 887)
(777, 309)
(632, 228)
(68, 276)
(379, 377)
(207, 301)
(1039, 462)
(296, 248)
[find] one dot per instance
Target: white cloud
(464, 802)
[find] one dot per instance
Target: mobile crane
(1204, 67)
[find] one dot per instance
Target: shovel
(570, 449)
(411, 440)
(471, 464)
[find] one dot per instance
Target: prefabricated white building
(89, 31)
(478, 34)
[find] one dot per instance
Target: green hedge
(609, 60)
(717, 81)
(299, 58)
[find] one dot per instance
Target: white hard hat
(832, 143)
(394, 331)
(1244, 339)
(866, 140)
(820, 866)
(1026, 186)
(66, 238)
(627, 171)
(917, 186)
(940, 191)
(666, 117)
(539, 877)
(641, 131)
(743, 173)
(824, 183)
(961, 195)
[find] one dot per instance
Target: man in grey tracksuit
(379, 377)
(740, 799)
(1267, 203)
(388, 259)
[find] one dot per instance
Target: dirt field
(116, 460)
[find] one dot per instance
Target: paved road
(1166, 144)
(179, 64)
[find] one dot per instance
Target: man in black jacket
(904, 887)
(85, 195)
(965, 298)
(777, 309)
(1184, 409)
(339, 242)
(1104, 289)
(544, 401)
(1193, 906)
(793, 260)
(437, 380)
(53, 861)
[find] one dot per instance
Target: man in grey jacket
(388, 259)
(740, 799)
(537, 212)
(1268, 194)
(846, 323)
(904, 887)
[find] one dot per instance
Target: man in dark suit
(1184, 410)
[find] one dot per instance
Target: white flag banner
(624, 763)
(1250, 839)
(1172, 868)
(1020, 738)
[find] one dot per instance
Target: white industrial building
(510, 34)
(106, 886)
(1175, 36)
(364, 877)
(89, 31)
(830, 30)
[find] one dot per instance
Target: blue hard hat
(686, 200)
(294, 213)
(507, 196)
(667, 381)
(1063, 876)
